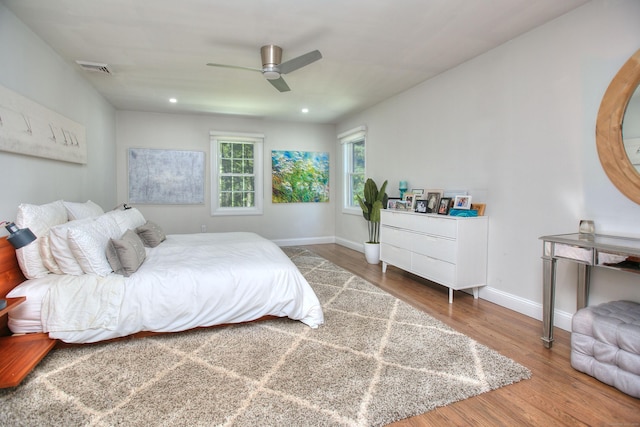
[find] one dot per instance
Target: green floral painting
(299, 177)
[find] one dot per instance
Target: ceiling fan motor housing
(271, 58)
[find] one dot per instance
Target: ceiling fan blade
(299, 62)
(280, 84)
(237, 67)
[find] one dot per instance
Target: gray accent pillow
(126, 254)
(151, 234)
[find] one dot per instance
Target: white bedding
(189, 280)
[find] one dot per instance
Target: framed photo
(391, 202)
(433, 202)
(462, 202)
(417, 191)
(410, 200)
(421, 205)
(443, 206)
(401, 205)
(480, 207)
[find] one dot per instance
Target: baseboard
(562, 319)
(305, 241)
(349, 244)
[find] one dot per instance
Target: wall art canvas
(299, 177)
(27, 127)
(170, 177)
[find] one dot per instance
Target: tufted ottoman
(605, 343)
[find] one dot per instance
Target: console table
(586, 250)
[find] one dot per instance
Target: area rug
(376, 360)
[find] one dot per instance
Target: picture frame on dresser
(392, 202)
(417, 191)
(410, 200)
(422, 206)
(480, 207)
(433, 201)
(401, 205)
(462, 202)
(444, 206)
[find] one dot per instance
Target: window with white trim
(236, 173)
(353, 160)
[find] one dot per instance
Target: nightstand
(19, 354)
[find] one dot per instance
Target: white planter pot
(372, 252)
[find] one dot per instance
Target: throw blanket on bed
(76, 303)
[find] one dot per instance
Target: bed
(101, 276)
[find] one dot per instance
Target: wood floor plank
(556, 394)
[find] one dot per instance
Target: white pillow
(47, 256)
(128, 219)
(59, 243)
(88, 243)
(39, 219)
(87, 209)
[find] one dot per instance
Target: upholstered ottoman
(605, 343)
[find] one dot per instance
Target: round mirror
(612, 151)
(631, 130)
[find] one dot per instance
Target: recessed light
(305, 110)
(173, 100)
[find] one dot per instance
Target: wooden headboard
(10, 273)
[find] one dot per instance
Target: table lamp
(19, 238)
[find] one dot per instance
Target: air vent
(94, 66)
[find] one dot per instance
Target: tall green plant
(371, 204)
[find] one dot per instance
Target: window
(236, 174)
(353, 148)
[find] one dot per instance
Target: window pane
(248, 166)
(354, 179)
(225, 183)
(248, 183)
(225, 150)
(357, 185)
(237, 151)
(225, 166)
(248, 151)
(225, 199)
(237, 166)
(249, 199)
(358, 157)
(237, 199)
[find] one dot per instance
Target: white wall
(516, 127)
(287, 223)
(29, 67)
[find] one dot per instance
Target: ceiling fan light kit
(272, 68)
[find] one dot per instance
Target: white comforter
(187, 281)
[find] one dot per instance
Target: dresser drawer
(433, 269)
(393, 255)
(421, 223)
(396, 237)
(437, 226)
(434, 247)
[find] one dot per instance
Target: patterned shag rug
(376, 360)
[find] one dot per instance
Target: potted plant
(371, 204)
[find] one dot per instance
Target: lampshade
(19, 237)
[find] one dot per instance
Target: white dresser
(448, 250)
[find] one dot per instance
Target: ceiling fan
(272, 69)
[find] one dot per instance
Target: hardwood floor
(555, 395)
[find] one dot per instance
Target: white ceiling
(372, 49)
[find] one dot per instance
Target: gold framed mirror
(609, 143)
